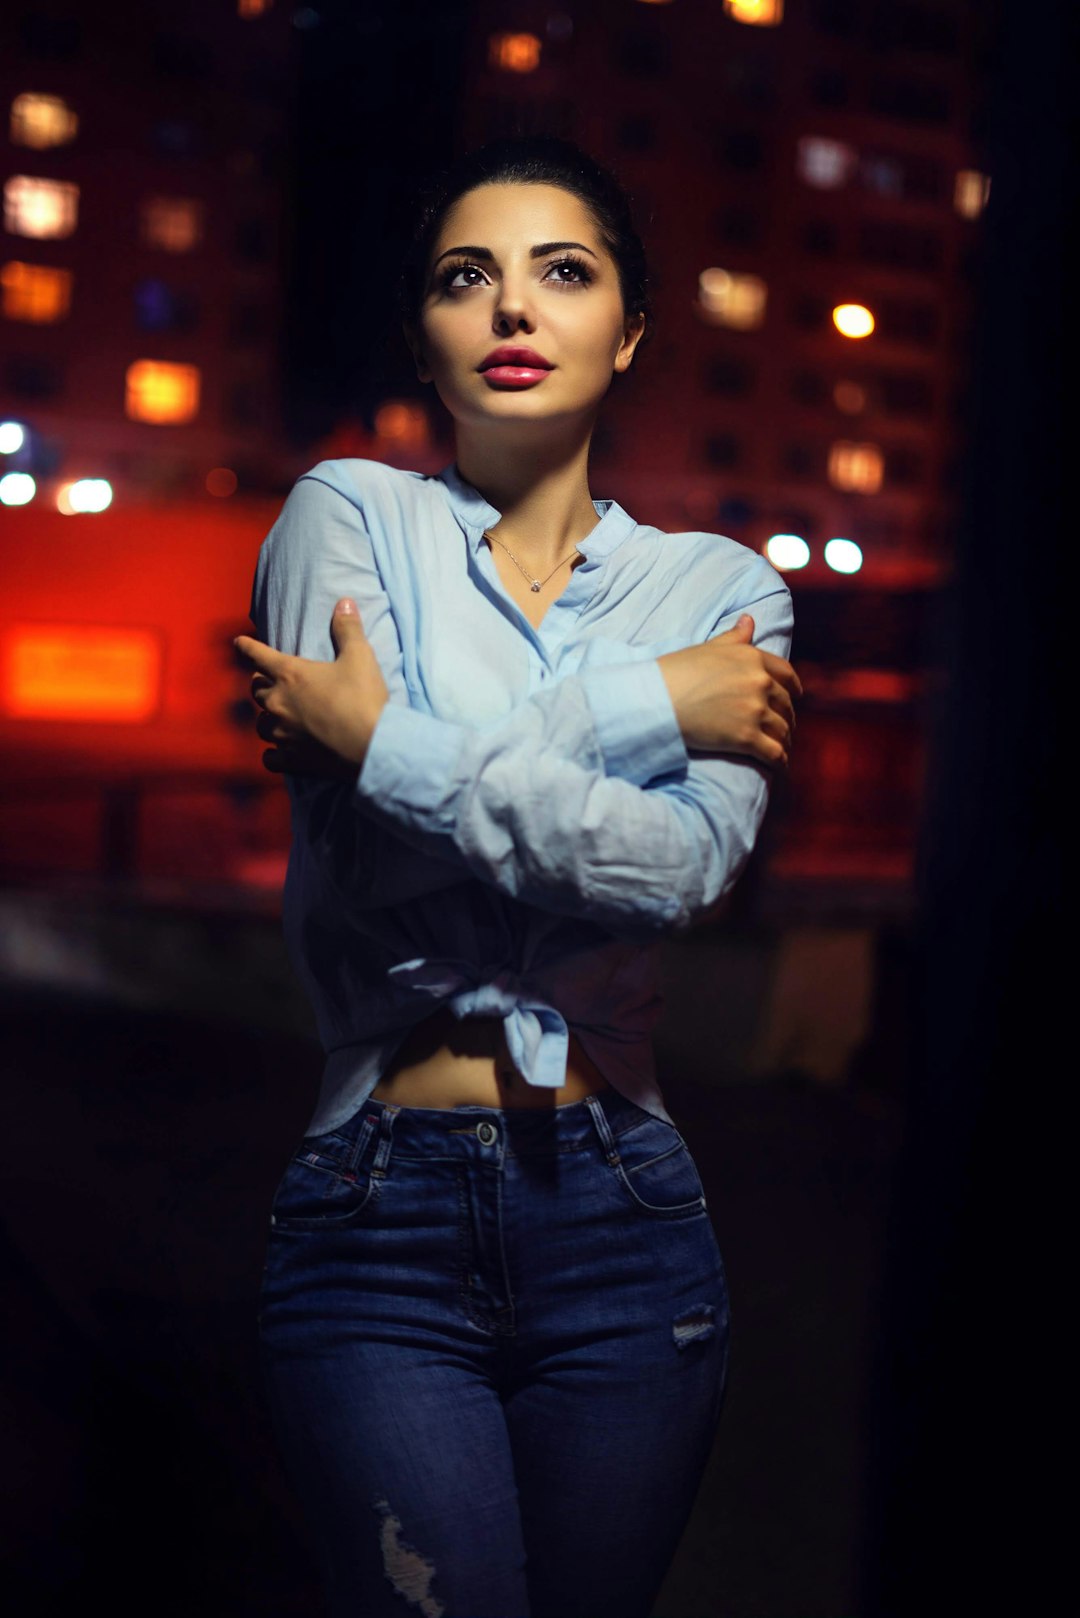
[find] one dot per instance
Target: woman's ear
(632, 335)
(417, 351)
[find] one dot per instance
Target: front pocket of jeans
(319, 1192)
(655, 1168)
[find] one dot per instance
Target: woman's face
(497, 292)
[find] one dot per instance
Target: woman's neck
(544, 503)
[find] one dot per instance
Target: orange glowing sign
(79, 671)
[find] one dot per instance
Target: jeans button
(486, 1132)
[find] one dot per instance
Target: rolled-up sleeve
(636, 724)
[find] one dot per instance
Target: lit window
(859, 467)
(726, 299)
(42, 121)
(252, 8)
(404, 422)
(757, 13)
(853, 320)
(174, 224)
(514, 53)
(79, 671)
(35, 292)
(158, 391)
(826, 164)
(40, 208)
(971, 193)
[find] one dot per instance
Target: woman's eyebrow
(534, 252)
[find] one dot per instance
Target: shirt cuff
(635, 720)
(410, 765)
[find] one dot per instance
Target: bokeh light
(17, 489)
(84, 495)
(787, 551)
(853, 320)
(843, 555)
(221, 482)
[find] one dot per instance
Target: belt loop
(386, 1131)
(603, 1127)
(363, 1135)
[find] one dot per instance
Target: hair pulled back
(530, 160)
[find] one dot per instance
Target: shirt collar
(474, 513)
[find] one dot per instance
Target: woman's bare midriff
(445, 1062)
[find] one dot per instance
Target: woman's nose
(513, 309)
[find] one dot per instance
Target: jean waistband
(522, 1131)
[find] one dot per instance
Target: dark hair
(530, 160)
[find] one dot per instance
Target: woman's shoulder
(354, 476)
(703, 558)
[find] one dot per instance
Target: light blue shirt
(527, 823)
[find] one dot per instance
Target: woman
(494, 1314)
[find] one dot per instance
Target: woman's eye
(580, 274)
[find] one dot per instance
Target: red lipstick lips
(512, 354)
(511, 366)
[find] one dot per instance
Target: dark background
(889, 1441)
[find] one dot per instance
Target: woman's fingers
(266, 726)
(774, 724)
(770, 749)
(782, 671)
(256, 651)
(261, 684)
(780, 700)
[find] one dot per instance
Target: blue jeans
(495, 1345)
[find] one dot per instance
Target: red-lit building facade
(796, 170)
(144, 166)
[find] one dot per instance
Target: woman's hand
(730, 697)
(320, 716)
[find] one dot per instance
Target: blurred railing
(843, 817)
(185, 825)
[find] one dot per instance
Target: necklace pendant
(536, 584)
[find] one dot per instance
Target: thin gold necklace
(535, 584)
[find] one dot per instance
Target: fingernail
(346, 604)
